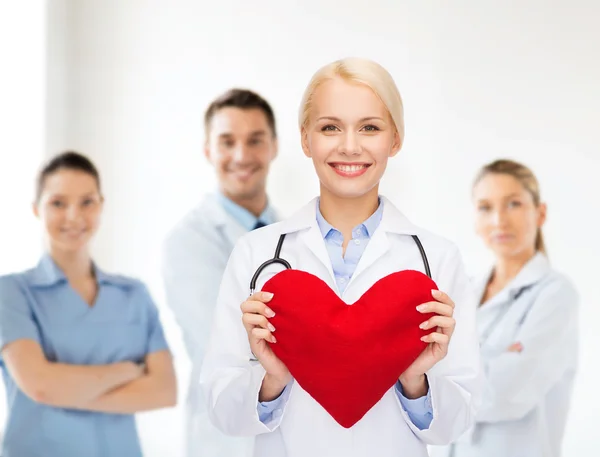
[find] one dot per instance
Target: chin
(351, 192)
(507, 250)
(71, 247)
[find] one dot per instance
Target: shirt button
(356, 241)
(342, 280)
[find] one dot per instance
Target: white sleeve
(516, 382)
(455, 383)
(230, 382)
(191, 268)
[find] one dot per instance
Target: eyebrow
(506, 197)
(88, 194)
(254, 133)
(364, 119)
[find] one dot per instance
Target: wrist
(272, 387)
(129, 370)
(414, 386)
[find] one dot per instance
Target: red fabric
(348, 357)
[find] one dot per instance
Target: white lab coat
(195, 254)
(526, 395)
(302, 428)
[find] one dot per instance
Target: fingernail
(273, 339)
(435, 293)
(421, 307)
(423, 325)
(268, 295)
(271, 327)
(423, 338)
(269, 312)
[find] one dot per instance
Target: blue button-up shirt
(123, 325)
(244, 217)
(419, 410)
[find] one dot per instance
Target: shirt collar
(47, 273)
(370, 225)
(531, 273)
(244, 217)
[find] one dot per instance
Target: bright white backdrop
(128, 83)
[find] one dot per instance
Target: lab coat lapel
(531, 273)
(231, 229)
(378, 246)
(305, 223)
(313, 240)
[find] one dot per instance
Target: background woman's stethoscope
(277, 259)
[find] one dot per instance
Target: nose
(73, 213)
(350, 144)
(499, 217)
(241, 153)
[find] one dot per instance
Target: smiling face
(241, 146)
(349, 135)
(69, 206)
(508, 219)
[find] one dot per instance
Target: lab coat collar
(392, 220)
(532, 272)
(47, 273)
(305, 222)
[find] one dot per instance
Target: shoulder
(12, 284)
(557, 286)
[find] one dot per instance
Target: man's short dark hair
(243, 99)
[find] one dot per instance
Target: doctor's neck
(254, 204)
(507, 268)
(345, 213)
(74, 264)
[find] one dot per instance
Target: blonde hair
(360, 71)
(527, 179)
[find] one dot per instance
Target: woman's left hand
(413, 379)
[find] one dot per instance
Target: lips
(350, 169)
(71, 233)
(243, 173)
(502, 237)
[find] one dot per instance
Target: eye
(329, 128)
(255, 141)
(57, 203)
(515, 204)
(483, 208)
(371, 128)
(88, 202)
(228, 143)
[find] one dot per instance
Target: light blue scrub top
(123, 325)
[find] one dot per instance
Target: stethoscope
(278, 260)
(504, 309)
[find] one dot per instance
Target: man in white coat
(241, 143)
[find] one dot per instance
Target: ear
(304, 138)
(35, 209)
(206, 150)
(275, 149)
(542, 212)
(396, 145)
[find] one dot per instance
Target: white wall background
(128, 83)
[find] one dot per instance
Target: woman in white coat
(351, 122)
(527, 323)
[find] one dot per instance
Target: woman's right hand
(260, 331)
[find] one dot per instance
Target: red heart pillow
(347, 357)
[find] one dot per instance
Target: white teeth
(350, 168)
